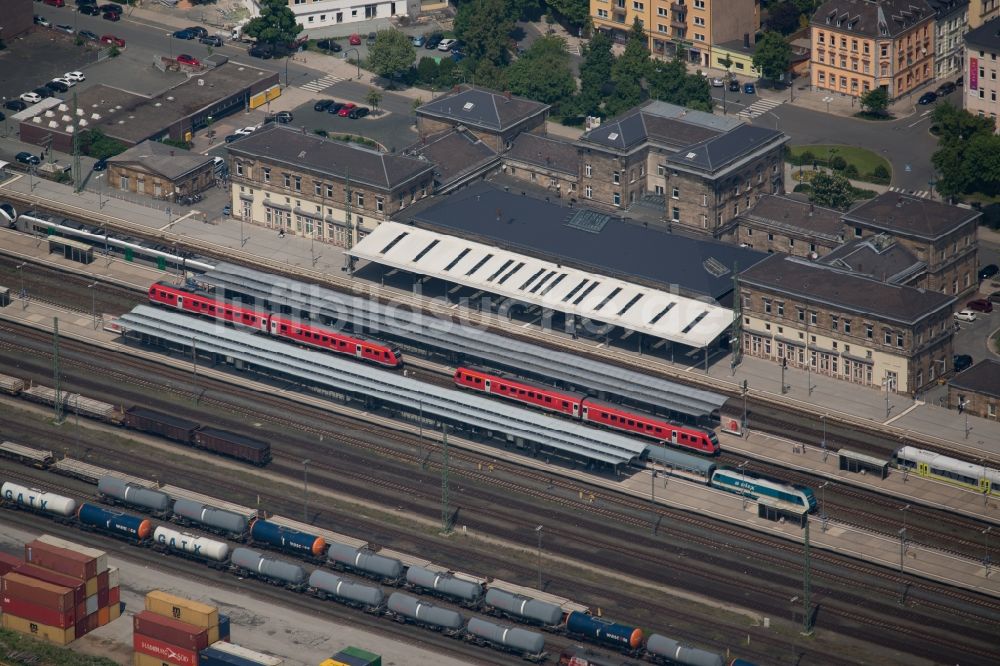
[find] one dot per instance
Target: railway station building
(977, 390)
(300, 183)
(850, 327)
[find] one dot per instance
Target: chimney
(746, 40)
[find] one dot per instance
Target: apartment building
(693, 26)
(950, 24)
(859, 45)
(981, 11)
(303, 184)
(323, 13)
(982, 46)
(845, 326)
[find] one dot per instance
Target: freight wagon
(240, 447)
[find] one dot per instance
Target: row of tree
(968, 155)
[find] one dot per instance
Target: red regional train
(206, 304)
(583, 408)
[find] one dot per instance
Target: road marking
(319, 85)
(916, 193)
(924, 116)
(760, 107)
(916, 403)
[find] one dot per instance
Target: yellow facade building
(859, 45)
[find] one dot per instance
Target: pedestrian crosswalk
(319, 85)
(760, 107)
(916, 193)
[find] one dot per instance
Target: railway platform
(825, 463)
(811, 392)
(891, 553)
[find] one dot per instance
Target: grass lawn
(863, 159)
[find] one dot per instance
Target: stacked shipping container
(60, 592)
(173, 630)
(353, 656)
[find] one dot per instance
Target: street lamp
(822, 503)
(93, 301)
(358, 61)
(100, 200)
(743, 486)
(538, 531)
(823, 443)
(305, 489)
(23, 295)
(962, 404)
(986, 560)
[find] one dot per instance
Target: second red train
(581, 407)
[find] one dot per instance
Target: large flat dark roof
(525, 224)
(841, 290)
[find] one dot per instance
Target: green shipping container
(353, 655)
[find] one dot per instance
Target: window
(801, 313)
(791, 242)
(812, 317)
(675, 214)
(379, 204)
(616, 178)
(298, 183)
(660, 170)
(588, 192)
(834, 322)
(899, 340)
(781, 308)
(329, 191)
(589, 170)
(869, 331)
(704, 200)
(767, 305)
(699, 21)
(239, 168)
(288, 180)
(361, 199)
(617, 199)
(638, 6)
(887, 339)
(749, 231)
(318, 188)
(857, 232)
(123, 182)
(676, 193)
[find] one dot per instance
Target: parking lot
(392, 131)
(39, 56)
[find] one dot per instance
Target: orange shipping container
(103, 617)
(55, 578)
(140, 659)
(116, 611)
(99, 556)
(17, 586)
(185, 610)
(45, 632)
(92, 586)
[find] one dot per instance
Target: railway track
(286, 423)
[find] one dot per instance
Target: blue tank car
(604, 632)
(115, 523)
(287, 539)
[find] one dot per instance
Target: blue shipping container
(212, 657)
(287, 539)
(223, 627)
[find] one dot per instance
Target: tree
(484, 26)
(374, 98)
(958, 133)
(670, 82)
(94, 143)
(783, 17)
(832, 191)
(574, 12)
(772, 55)
(447, 73)
(595, 74)
(543, 73)
(427, 70)
(275, 25)
(391, 53)
(629, 71)
(875, 101)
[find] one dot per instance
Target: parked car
(456, 54)
(965, 315)
(433, 41)
(55, 3)
(717, 82)
(42, 21)
(81, 3)
(186, 59)
(100, 165)
(43, 92)
(211, 40)
(57, 85)
(927, 98)
(111, 7)
(111, 16)
(197, 30)
(76, 77)
(358, 112)
(31, 98)
(90, 10)
(184, 34)
(322, 104)
(334, 107)
(372, 36)
(245, 131)
(961, 361)
(749, 89)
(65, 27)
(227, 210)
(232, 137)
(24, 157)
(960, 81)
(113, 41)
(446, 44)
(346, 109)
(945, 88)
(15, 105)
(263, 51)
(283, 117)
(87, 34)
(328, 45)
(418, 40)
(355, 39)
(980, 305)
(988, 271)
(66, 82)
(734, 85)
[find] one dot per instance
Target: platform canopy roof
(546, 284)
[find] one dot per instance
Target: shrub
(807, 157)
(803, 187)
(838, 163)
(851, 171)
(881, 172)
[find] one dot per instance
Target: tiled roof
(721, 151)
(168, 161)
(871, 18)
(278, 143)
(779, 211)
(983, 377)
(479, 107)
(907, 215)
(987, 35)
(454, 154)
(545, 152)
